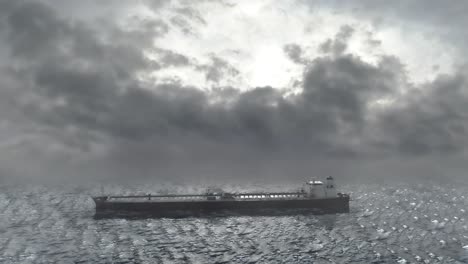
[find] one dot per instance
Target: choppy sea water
(400, 224)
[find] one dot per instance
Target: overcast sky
(233, 90)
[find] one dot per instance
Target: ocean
(387, 224)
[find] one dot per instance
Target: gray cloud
(294, 52)
(217, 69)
(432, 11)
(435, 19)
(433, 120)
(337, 45)
(85, 93)
(171, 58)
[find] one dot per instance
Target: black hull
(128, 209)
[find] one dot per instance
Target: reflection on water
(386, 225)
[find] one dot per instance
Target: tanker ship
(314, 197)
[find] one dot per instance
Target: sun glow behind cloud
(250, 36)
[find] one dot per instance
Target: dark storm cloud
(85, 80)
(433, 120)
(105, 97)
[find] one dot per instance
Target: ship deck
(204, 197)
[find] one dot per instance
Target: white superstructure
(317, 189)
